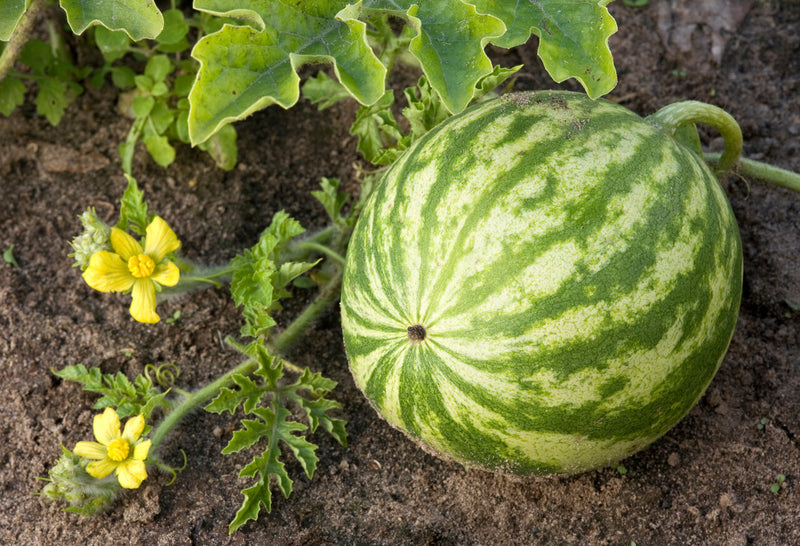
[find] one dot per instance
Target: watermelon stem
(762, 171)
(674, 117)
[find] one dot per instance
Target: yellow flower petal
(124, 245)
(131, 473)
(101, 469)
(90, 450)
(106, 426)
(160, 240)
(141, 450)
(166, 274)
(107, 272)
(143, 306)
(133, 428)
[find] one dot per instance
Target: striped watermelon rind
(543, 283)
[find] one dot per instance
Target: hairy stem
(19, 37)
(680, 114)
(762, 171)
(194, 401)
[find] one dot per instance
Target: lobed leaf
(139, 19)
(244, 69)
(324, 91)
(331, 199)
(265, 396)
(573, 37)
(12, 94)
(127, 397)
(449, 43)
(258, 282)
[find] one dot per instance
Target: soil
(706, 482)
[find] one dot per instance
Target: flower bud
(96, 236)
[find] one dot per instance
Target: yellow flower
(122, 453)
(131, 267)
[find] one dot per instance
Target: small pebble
(674, 459)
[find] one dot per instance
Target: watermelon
(542, 284)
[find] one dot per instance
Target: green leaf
(158, 67)
(491, 81)
(182, 85)
(8, 256)
(331, 198)
(289, 271)
(160, 149)
(265, 396)
(133, 209)
(143, 82)
(128, 398)
(244, 69)
(573, 37)
(113, 44)
(221, 147)
(450, 41)
(324, 91)
(175, 27)
(142, 105)
(161, 116)
(380, 140)
(37, 55)
(123, 77)
(12, 94)
(52, 99)
(140, 19)
(317, 406)
(425, 110)
(11, 12)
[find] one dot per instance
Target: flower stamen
(118, 449)
(141, 266)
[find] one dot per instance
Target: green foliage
(8, 256)
(246, 68)
(333, 201)
(573, 37)
(128, 397)
(259, 279)
(265, 395)
(139, 19)
(780, 483)
(133, 210)
(157, 101)
(55, 76)
(381, 138)
(12, 94)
